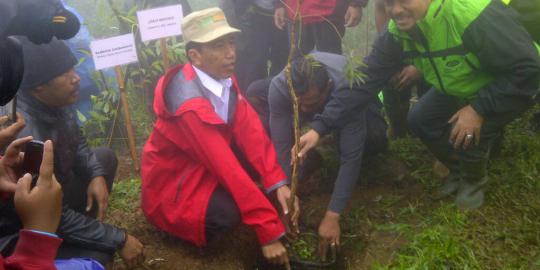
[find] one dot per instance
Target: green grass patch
(503, 234)
(125, 195)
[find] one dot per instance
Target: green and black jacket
(475, 50)
(529, 15)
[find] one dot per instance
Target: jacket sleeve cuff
(320, 127)
(98, 171)
(37, 248)
(277, 185)
(477, 106)
(270, 231)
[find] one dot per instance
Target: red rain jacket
(311, 10)
(34, 251)
(188, 155)
(314, 11)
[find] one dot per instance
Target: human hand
(11, 163)
(466, 127)
(353, 16)
(408, 76)
(307, 142)
(329, 234)
(97, 190)
(283, 195)
(279, 18)
(132, 253)
(276, 253)
(40, 208)
(9, 133)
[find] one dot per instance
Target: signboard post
(115, 52)
(160, 23)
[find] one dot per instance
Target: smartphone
(33, 154)
(10, 110)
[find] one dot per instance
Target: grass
(125, 195)
(503, 234)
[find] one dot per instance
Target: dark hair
(192, 45)
(306, 72)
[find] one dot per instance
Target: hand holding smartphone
(33, 154)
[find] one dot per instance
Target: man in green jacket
(484, 67)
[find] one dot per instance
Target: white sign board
(115, 51)
(160, 22)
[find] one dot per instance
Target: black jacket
(71, 157)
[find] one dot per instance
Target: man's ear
(195, 57)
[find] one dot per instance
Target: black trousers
(428, 120)
(261, 50)
(222, 213)
(323, 36)
(397, 104)
(76, 198)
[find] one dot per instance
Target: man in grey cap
(194, 183)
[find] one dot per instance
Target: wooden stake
(127, 117)
(297, 22)
(164, 54)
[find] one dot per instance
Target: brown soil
(379, 197)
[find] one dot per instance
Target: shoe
(450, 186)
(470, 196)
(440, 170)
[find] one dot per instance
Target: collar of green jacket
(438, 51)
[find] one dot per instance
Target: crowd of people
(221, 150)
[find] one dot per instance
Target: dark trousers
(76, 199)
(222, 213)
(397, 104)
(323, 36)
(75, 195)
(428, 119)
(262, 49)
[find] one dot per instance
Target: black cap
(44, 62)
(40, 20)
(11, 69)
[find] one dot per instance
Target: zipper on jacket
(416, 33)
(178, 188)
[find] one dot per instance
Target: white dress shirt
(219, 92)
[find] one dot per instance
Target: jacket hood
(190, 97)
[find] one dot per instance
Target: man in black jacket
(49, 86)
(260, 43)
(326, 100)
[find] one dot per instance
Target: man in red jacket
(194, 185)
(323, 22)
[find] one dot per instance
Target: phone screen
(10, 110)
(33, 154)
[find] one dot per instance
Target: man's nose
(75, 77)
(231, 51)
(394, 9)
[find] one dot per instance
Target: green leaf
(81, 116)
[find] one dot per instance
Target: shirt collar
(214, 86)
